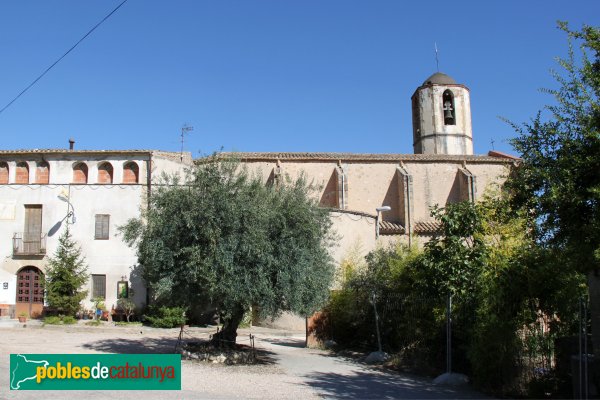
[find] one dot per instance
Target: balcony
(29, 244)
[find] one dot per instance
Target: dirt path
(295, 373)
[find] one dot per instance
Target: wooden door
(32, 235)
(30, 292)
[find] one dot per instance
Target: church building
(374, 199)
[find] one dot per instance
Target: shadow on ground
(141, 345)
(163, 345)
(376, 385)
(299, 343)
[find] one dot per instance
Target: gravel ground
(290, 372)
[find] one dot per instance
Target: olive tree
(223, 237)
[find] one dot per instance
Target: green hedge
(165, 317)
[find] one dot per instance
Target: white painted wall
(111, 257)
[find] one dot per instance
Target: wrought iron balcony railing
(29, 244)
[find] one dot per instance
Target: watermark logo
(95, 372)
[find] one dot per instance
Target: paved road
(292, 373)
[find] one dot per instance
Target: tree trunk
(226, 337)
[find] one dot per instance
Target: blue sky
(270, 75)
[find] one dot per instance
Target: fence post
(583, 349)
(449, 333)
(377, 324)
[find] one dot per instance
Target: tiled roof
(67, 151)
(176, 156)
(500, 154)
(292, 156)
(427, 227)
(390, 228)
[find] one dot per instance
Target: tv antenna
(184, 130)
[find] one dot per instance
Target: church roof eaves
(365, 157)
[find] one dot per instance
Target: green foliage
(60, 320)
(165, 317)
(127, 306)
(94, 323)
(65, 276)
(559, 180)
(227, 239)
(98, 303)
(455, 257)
(52, 320)
(503, 285)
(123, 323)
(386, 272)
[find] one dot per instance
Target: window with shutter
(99, 286)
(102, 225)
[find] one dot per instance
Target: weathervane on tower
(437, 61)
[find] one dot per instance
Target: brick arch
(80, 173)
(131, 172)
(3, 173)
(42, 173)
(22, 173)
(105, 173)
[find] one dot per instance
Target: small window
(80, 173)
(99, 286)
(3, 173)
(130, 173)
(105, 173)
(42, 173)
(22, 173)
(102, 224)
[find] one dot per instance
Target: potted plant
(98, 306)
(23, 317)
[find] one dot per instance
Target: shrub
(69, 320)
(165, 317)
(60, 320)
(52, 320)
(122, 323)
(127, 306)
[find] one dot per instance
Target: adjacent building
(94, 192)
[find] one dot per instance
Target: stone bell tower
(441, 112)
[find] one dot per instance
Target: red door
(30, 292)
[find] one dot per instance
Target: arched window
(22, 173)
(3, 173)
(448, 107)
(131, 173)
(42, 173)
(105, 173)
(80, 173)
